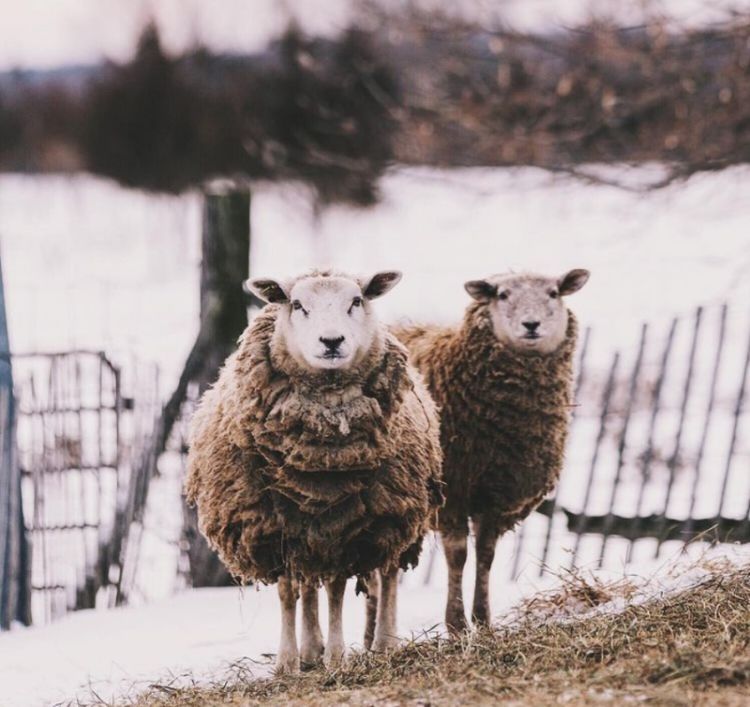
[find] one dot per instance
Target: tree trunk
(223, 316)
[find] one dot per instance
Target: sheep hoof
(287, 663)
(311, 654)
(381, 644)
(481, 620)
(455, 621)
(333, 656)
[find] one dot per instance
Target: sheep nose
(531, 326)
(331, 344)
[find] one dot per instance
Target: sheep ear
(481, 290)
(267, 290)
(572, 281)
(380, 283)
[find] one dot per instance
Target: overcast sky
(49, 33)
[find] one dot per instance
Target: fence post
(223, 309)
(14, 584)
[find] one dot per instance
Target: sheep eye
(554, 294)
(296, 304)
(356, 302)
(503, 295)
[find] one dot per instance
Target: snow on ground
(637, 584)
(197, 635)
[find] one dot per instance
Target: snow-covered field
(87, 264)
(102, 267)
(91, 265)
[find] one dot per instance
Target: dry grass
(688, 648)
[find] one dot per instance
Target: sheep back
(315, 475)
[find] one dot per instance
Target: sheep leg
(334, 652)
(486, 540)
(386, 634)
(287, 659)
(311, 642)
(373, 591)
(454, 545)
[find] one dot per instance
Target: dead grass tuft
(688, 648)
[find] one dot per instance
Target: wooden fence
(659, 449)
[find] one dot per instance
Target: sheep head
(326, 320)
(527, 310)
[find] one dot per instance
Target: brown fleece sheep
(315, 475)
(502, 382)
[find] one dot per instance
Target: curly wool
(504, 417)
(314, 474)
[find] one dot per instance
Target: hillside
(688, 647)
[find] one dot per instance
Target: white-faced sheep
(502, 382)
(316, 456)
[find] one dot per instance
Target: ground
(664, 628)
(690, 647)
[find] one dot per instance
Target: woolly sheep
(502, 382)
(316, 456)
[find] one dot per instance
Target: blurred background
(155, 153)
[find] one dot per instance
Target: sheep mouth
(531, 336)
(332, 356)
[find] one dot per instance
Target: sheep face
(527, 310)
(327, 321)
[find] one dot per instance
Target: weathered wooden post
(225, 266)
(15, 595)
(223, 313)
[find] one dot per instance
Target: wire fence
(658, 455)
(84, 431)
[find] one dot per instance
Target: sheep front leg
(373, 592)
(485, 529)
(334, 652)
(454, 545)
(287, 660)
(386, 635)
(311, 643)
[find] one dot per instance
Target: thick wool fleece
(314, 474)
(504, 417)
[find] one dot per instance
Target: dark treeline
(412, 90)
(305, 110)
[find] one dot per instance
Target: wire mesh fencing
(84, 430)
(658, 458)
(658, 455)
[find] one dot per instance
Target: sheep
(502, 382)
(316, 456)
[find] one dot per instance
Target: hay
(686, 648)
